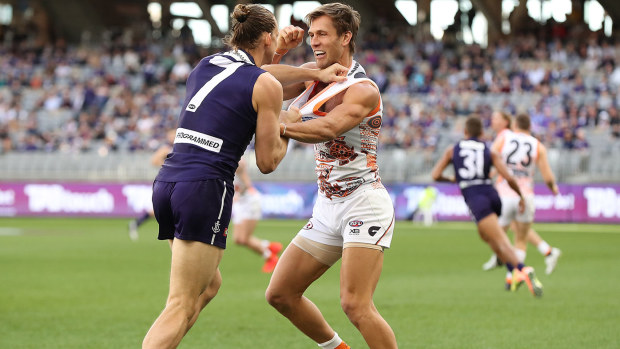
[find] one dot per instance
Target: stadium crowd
(124, 93)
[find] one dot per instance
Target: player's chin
(321, 62)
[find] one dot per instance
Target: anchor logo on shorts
(216, 227)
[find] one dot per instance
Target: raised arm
(293, 78)
(267, 101)
(358, 101)
(440, 166)
(545, 170)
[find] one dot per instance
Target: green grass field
(81, 283)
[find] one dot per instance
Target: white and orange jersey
(520, 153)
(350, 160)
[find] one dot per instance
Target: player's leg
(551, 254)
(508, 211)
(295, 272)
(134, 224)
(242, 234)
(491, 232)
(359, 275)
(206, 296)
(193, 268)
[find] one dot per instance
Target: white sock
(520, 255)
(266, 251)
(544, 248)
(332, 343)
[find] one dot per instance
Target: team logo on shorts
(373, 230)
(308, 226)
(356, 223)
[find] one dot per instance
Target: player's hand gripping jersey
(346, 163)
(519, 152)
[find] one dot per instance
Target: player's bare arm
(243, 174)
(498, 163)
(293, 78)
(358, 101)
(440, 166)
(267, 101)
(160, 154)
(545, 170)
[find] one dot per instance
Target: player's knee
(354, 308)
(182, 305)
(211, 291)
(241, 239)
(277, 299)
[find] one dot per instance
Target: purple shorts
(482, 201)
(197, 211)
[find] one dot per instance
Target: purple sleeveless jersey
(217, 122)
(472, 162)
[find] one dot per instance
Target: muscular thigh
(360, 271)
(295, 271)
(193, 266)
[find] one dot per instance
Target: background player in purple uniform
(229, 99)
(472, 161)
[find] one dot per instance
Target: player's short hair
(506, 118)
(523, 122)
(344, 17)
(249, 22)
(473, 126)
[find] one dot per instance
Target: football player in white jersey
(353, 217)
(246, 212)
(522, 153)
(501, 123)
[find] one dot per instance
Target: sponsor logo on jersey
(373, 230)
(354, 231)
(201, 140)
(356, 223)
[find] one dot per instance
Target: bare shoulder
(364, 93)
(266, 80)
(267, 87)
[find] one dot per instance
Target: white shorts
(510, 210)
(247, 207)
(365, 217)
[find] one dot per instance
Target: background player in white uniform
(501, 123)
(157, 160)
(521, 153)
(246, 212)
(353, 216)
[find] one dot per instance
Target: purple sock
(520, 266)
(510, 267)
(142, 218)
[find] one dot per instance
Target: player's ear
(346, 38)
(267, 39)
